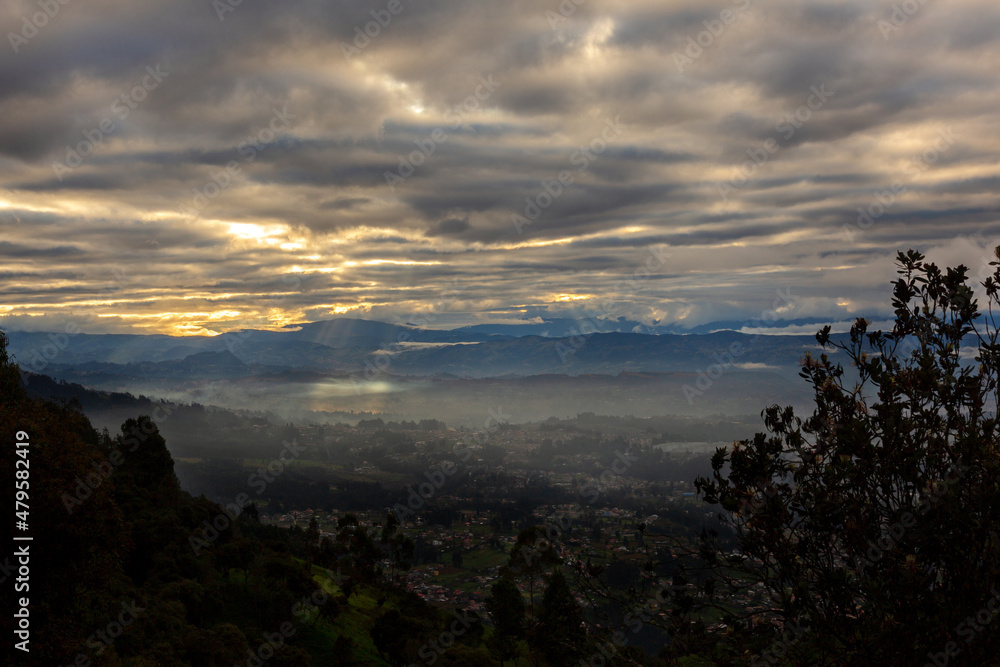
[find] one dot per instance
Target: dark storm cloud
(284, 151)
(449, 227)
(343, 203)
(17, 250)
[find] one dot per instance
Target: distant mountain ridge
(372, 334)
(560, 327)
(608, 354)
(221, 364)
(352, 346)
(339, 334)
(358, 366)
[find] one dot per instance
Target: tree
(237, 554)
(312, 538)
(251, 512)
(622, 573)
(560, 635)
(533, 554)
(874, 522)
(398, 546)
(505, 606)
(397, 637)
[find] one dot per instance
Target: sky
(195, 167)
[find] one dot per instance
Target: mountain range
(351, 365)
(358, 346)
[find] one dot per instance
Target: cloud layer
(193, 167)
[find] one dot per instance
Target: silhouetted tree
(505, 606)
(560, 635)
(873, 522)
(398, 546)
(533, 555)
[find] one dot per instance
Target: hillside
(157, 577)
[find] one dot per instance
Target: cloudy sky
(194, 166)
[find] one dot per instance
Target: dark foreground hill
(126, 569)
